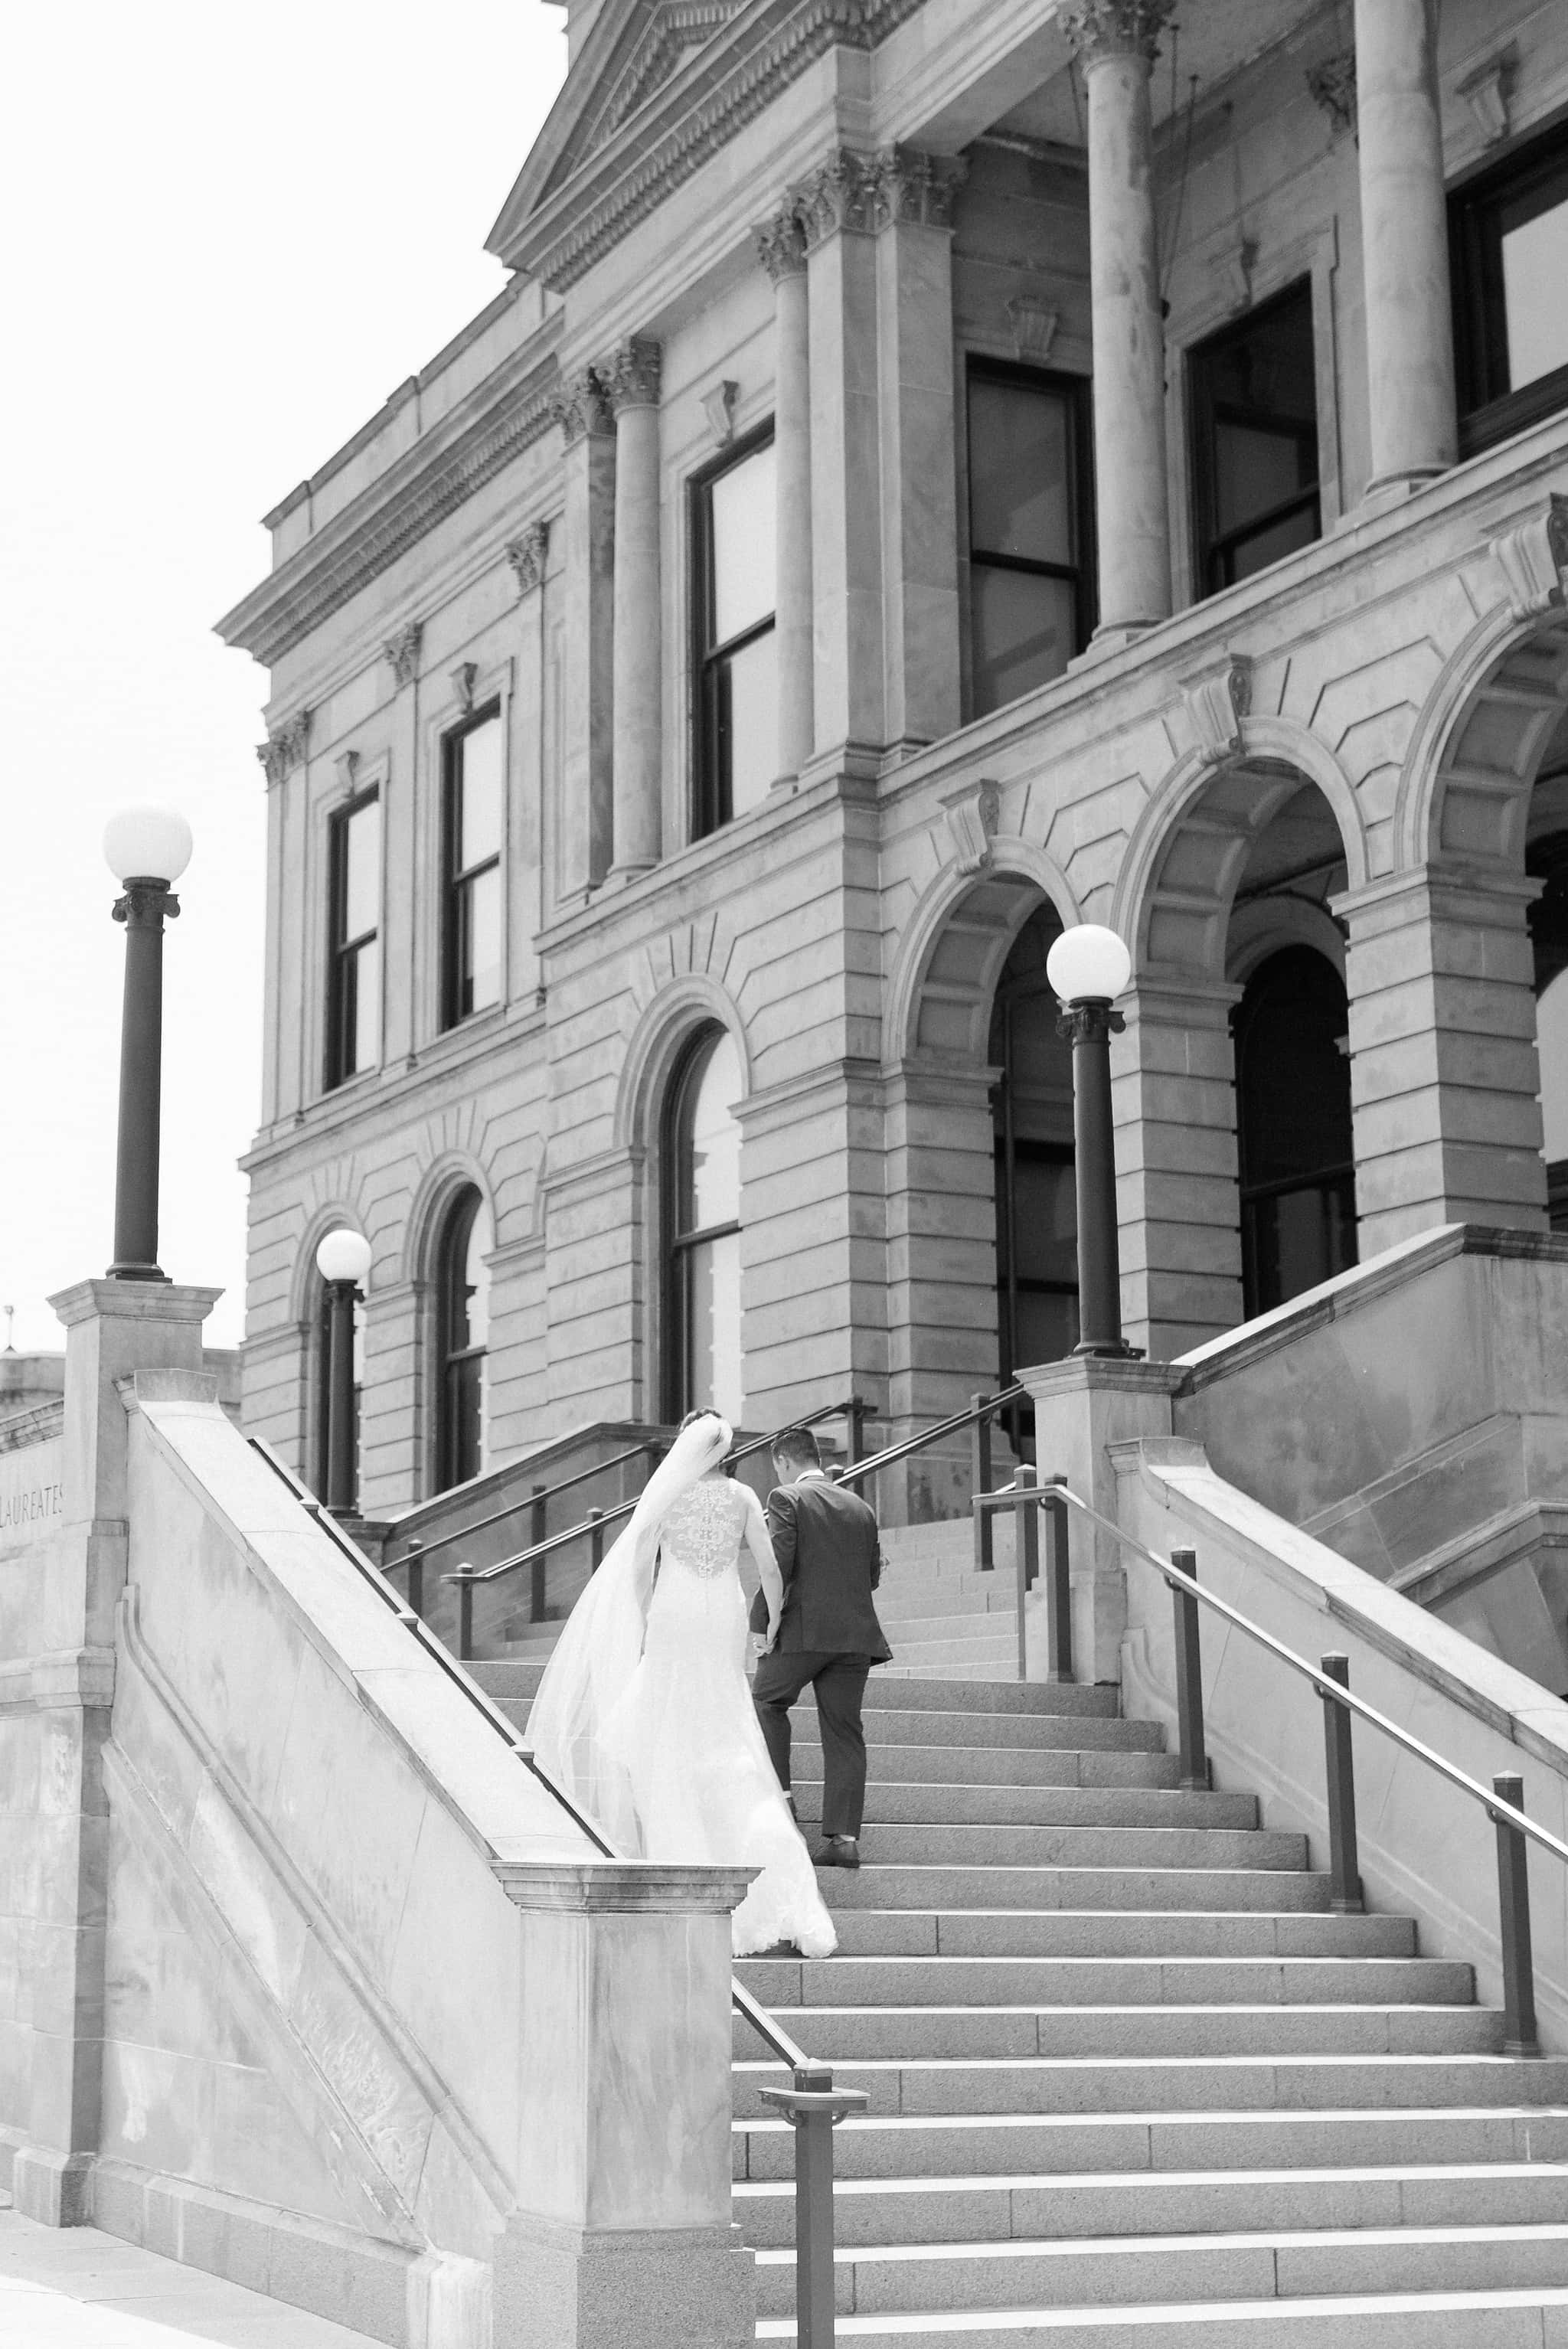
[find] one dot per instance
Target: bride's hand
(768, 1645)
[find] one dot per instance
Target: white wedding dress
(645, 1714)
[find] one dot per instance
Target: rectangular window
(1031, 604)
(471, 861)
(736, 745)
(1254, 440)
(1508, 237)
(354, 983)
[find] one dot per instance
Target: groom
(825, 1540)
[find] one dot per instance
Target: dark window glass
(462, 1305)
(1255, 440)
(1293, 1122)
(1546, 860)
(1037, 1201)
(736, 747)
(702, 1154)
(1030, 599)
(353, 983)
(1508, 237)
(473, 814)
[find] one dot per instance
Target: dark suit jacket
(825, 1541)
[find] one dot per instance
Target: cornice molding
(1117, 28)
(284, 747)
(505, 415)
(730, 80)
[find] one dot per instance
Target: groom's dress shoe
(838, 1851)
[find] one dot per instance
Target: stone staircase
(943, 1618)
(1131, 2084)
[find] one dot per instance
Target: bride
(644, 1715)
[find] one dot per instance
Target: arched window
(462, 1333)
(1293, 1128)
(702, 1363)
(1032, 1118)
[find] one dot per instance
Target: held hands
(763, 1642)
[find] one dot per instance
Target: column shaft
(634, 377)
(792, 471)
(588, 532)
(1404, 230)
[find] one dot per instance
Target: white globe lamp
(147, 843)
(1089, 964)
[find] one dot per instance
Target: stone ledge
(624, 1888)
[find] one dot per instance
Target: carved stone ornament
(839, 195)
(972, 816)
(527, 556)
(631, 377)
(284, 747)
(719, 406)
(403, 651)
(1117, 28)
(1486, 92)
(461, 679)
(347, 768)
(1034, 323)
(582, 407)
(1533, 560)
(780, 243)
(1332, 85)
(1216, 700)
(917, 188)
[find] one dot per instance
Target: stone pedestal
(1444, 1078)
(781, 248)
(1404, 231)
(588, 534)
(623, 2237)
(1116, 42)
(58, 1605)
(1082, 1406)
(1173, 1083)
(634, 378)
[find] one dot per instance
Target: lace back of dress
(702, 1529)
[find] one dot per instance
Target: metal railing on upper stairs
(812, 2102)
(1503, 1804)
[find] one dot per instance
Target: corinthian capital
(917, 188)
(632, 375)
(528, 556)
(1117, 28)
(582, 406)
(402, 652)
(781, 243)
(841, 194)
(284, 747)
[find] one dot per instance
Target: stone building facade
(936, 474)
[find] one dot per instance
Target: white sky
(231, 231)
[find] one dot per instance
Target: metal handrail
(539, 1498)
(812, 2102)
(875, 1462)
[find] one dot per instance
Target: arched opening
(1032, 1112)
(1546, 860)
(703, 1363)
(1296, 1160)
(462, 1337)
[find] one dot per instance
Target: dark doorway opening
(1293, 1128)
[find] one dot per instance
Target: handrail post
(816, 2107)
(1026, 1549)
(463, 1576)
(1058, 1586)
(594, 1519)
(980, 1482)
(415, 1562)
(1514, 1914)
(538, 1521)
(1339, 1774)
(857, 1411)
(1190, 1676)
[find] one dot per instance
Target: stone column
(57, 1634)
(1444, 1078)
(409, 1015)
(837, 211)
(1116, 41)
(1173, 1090)
(588, 531)
(632, 375)
(915, 195)
(1404, 234)
(782, 249)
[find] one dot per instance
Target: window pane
(478, 832)
(1045, 1214)
(362, 878)
(1255, 470)
(1046, 1328)
(710, 1145)
(1271, 544)
(741, 502)
(363, 973)
(1023, 630)
(476, 1278)
(1020, 472)
(481, 975)
(1552, 1043)
(714, 1301)
(1535, 272)
(749, 704)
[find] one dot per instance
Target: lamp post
(343, 1260)
(1089, 966)
(147, 849)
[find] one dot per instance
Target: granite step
(1164, 1934)
(1495, 2319)
(878, 1884)
(990, 1766)
(917, 1805)
(979, 1846)
(890, 1725)
(915, 1983)
(1144, 2146)
(1144, 2034)
(1046, 2207)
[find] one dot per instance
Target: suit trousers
(839, 1684)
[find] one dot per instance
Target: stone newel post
(632, 375)
(782, 249)
(1404, 231)
(1116, 41)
